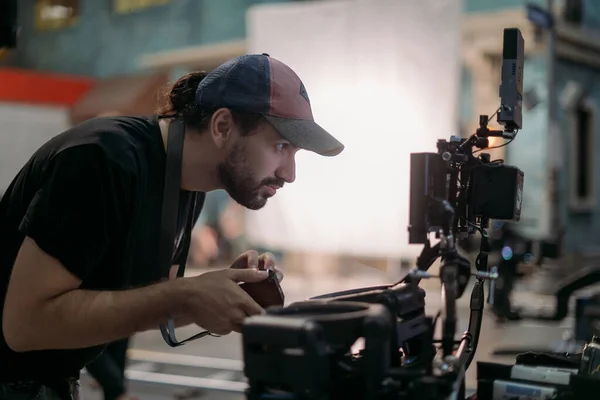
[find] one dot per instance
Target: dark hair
(181, 103)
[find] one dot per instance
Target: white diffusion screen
(382, 76)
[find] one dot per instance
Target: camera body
(497, 193)
(476, 188)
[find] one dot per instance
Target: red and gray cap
(258, 83)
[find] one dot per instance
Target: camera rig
(310, 350)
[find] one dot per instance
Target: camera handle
(450, 271)
(455, 270)
(448, 278)
(443, 213)
(450, 274)
(477, 302)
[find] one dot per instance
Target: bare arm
(44, 309)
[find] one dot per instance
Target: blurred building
(34, 106)
(132, 48)
(110, 38)
(560, 130)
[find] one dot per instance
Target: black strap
(170, 212)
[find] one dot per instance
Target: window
(55, 14)
(573, 11)
(582, 180)
(129, 6)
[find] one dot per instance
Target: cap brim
(307, 135)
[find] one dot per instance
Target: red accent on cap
(286, 98)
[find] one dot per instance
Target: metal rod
(185, 360)
(186, 381)
(461, 373)
(147, 359)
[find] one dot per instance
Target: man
(80, 223)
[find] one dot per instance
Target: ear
(222, 127)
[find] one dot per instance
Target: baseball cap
(260, 84)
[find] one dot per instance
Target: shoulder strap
(170, 200)
(197, 204)
(170, 209)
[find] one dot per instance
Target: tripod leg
(583, 279)
(462, 392)
(503, 287)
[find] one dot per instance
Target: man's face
(257, 165)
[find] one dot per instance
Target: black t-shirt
(91, 197)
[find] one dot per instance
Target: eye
(281, 147)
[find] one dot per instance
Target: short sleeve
(82, 206)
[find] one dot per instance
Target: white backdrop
(383, 77)
(24, 129)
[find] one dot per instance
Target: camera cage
(305, 350)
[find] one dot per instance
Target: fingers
(251, 307)
(248, 259)
(237, 319)
(221, 331)
(251, 259)
(238, 316)
(268, 261)
(246, 307)
(247, 275)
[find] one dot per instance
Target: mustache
(272, 182)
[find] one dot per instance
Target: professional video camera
(310, 350)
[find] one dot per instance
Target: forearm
(83, 318)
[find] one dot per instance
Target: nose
(287, 171)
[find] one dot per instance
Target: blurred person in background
(219, 232)
(80, 223)
(514, 252)
(108, 370)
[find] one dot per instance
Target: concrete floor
(523, 334)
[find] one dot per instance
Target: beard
(240, 182)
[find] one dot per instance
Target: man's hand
(251, 259)
(218, 304)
